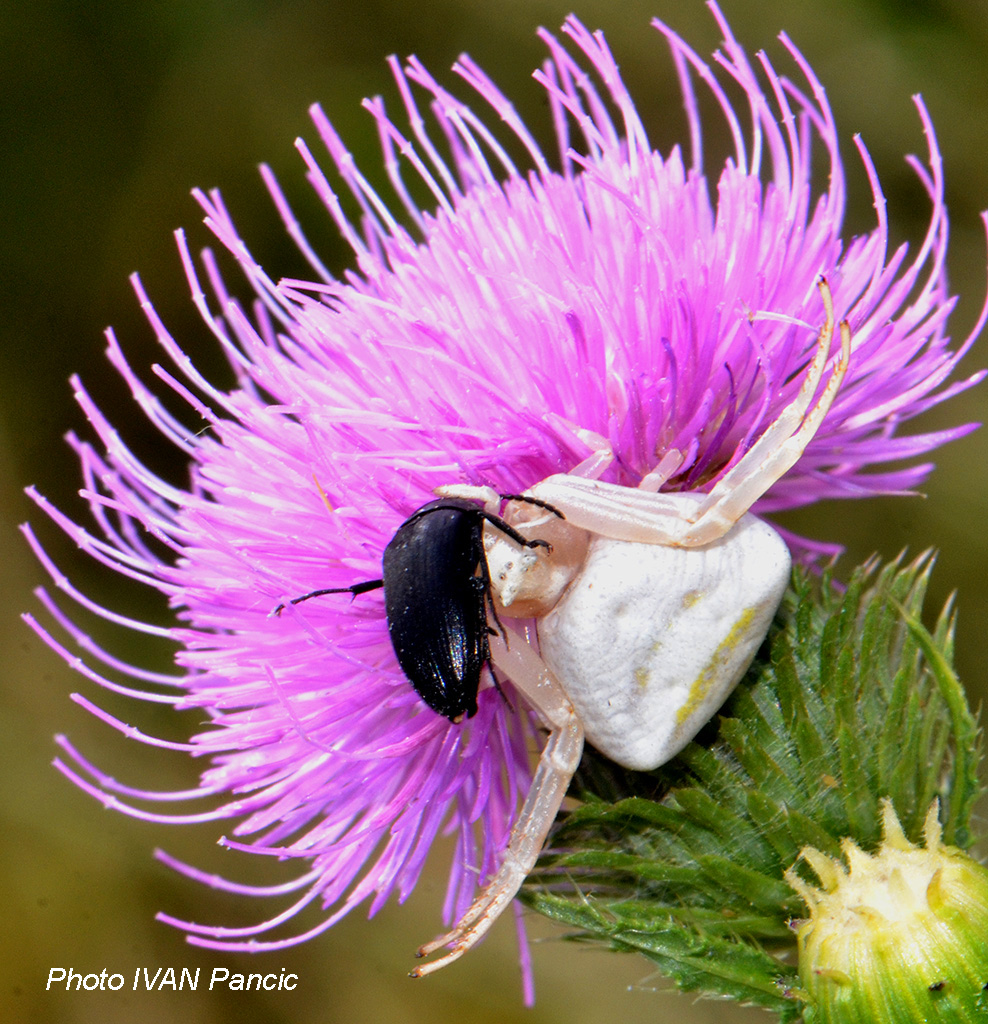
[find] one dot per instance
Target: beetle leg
(559, 760)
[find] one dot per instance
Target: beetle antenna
(533, 501)
(355, 589)
(508, 529)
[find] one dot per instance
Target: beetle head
(527, 582)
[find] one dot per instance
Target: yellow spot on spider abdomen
(714, 672)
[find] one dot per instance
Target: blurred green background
(110, 112)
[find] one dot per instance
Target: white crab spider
(649, 610)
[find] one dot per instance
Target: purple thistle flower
(493, 335)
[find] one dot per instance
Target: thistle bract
(496, 332)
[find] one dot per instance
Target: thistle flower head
(899, 935)
(495, 332)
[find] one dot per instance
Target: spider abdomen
(651, 639)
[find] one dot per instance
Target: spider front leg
(559, 760)
(683, 519)
(782, 444)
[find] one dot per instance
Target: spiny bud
(897, 937)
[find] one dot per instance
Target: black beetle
(436, 594)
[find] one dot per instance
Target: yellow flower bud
(895, 937)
